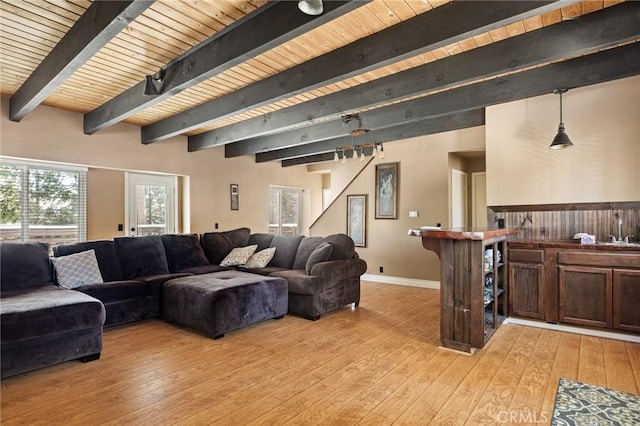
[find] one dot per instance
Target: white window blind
(42, 202)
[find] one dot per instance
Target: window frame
(25, 166)
(300, 201)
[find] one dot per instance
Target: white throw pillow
(261, 259)
(78, 269)
(239, 256)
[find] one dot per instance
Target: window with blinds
(42, 202)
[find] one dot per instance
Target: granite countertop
(571, 244)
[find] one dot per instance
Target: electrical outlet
(414, 213)
(120, 227)
(216, 225)
(381, 270)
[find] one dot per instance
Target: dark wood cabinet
(594, 286)
(626, 299)
(526, 283)
(585, 296)
(599, 289)
(473, 284)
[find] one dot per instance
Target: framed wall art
(357, 219)
(387, 176)
(234, 191)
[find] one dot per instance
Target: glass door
(151, 204)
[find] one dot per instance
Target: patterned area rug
(579, 404)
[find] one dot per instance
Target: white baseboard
(411, 282)
(576, 330)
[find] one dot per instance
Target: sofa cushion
(299, 282)
(117, 291)
(183, 251)
(78, 269)
(262, 240)
(238, 256)
(204, 269)
(306, 247)
(322, 253)
(286, 248)
(261, 258)
(217, 245)
(47, 310)
(105, 254)
(343, 246)
(268, 270)
(24, 265)
(141, 256)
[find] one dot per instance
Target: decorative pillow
(261, 259)
(322, 253)
(76, 270)
(239, 256)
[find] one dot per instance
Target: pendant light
(562, 139)
(310, 7)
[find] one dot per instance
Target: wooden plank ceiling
(171, 33)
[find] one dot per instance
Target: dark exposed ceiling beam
(316, 158)
(262, 30)
(428, 126)
(591, 32)
(102, 21)
(608, 65)
(439, 27)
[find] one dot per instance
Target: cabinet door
(526, 284)
(626, 299)
(585, 296)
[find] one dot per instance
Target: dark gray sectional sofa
(43, 324)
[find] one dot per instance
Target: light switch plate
(413, 213)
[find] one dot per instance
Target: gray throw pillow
(322, 253)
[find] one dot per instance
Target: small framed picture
(357, 219)
(234, 196)
(386, 191)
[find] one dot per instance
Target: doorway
(458, 199)
(479, 199)
(150, 204)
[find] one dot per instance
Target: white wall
(603, 122)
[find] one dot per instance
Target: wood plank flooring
(378, 364)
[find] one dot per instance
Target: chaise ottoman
(223, 301)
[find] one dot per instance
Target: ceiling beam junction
(611, 64)
(439, 27)
(100, 22)
(269, 26)
(592, 32)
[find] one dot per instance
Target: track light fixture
(562, 139)
(375, 149)
(310, 7)
(153, 83)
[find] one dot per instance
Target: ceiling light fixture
(150, 87)
(310, 7)
(358, 151)
(562, 139)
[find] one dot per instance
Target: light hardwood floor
(376, 364)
